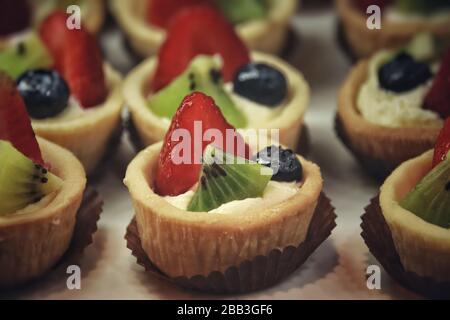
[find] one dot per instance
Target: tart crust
(152, 128)
(267, 35)
(32, 240)
(392, 146)
(182, 243)
(364, 42)
(423, 247)
(87, 136)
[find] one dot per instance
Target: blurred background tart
(262, 24)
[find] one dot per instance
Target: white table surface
(335, 271)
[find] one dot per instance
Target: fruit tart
(19, 17)
(41, 188)
(252, 90)
(262, 24)
(408, 226)
(72, 97)
(401, 20)
(391, 107)
(218, 208)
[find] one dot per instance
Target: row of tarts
(219, 226)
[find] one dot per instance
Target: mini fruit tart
(252, 91)
(401, 20)
(414, 203)
(198, 217)
(19, 17)
(391, 107)
(41, 188)
(55, 72)
(262, 24)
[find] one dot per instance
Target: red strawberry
(442, 144)
(438, 98)
(363, 4)
(83, 68)
(77, 57)
(15, 16)
(15, 125)
(194, 31)
(53, 32)
(159, 12)
(174, 179)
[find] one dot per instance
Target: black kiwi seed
(192, 86)
(219, 171)
(215, 75)
(21, 49)
(44, 180)
(447, 186)
(44, 171)
(203, 181)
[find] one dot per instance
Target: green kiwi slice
(28, 53)
(22, 182)
(238, 11)
(203, 75)
(430, 199)
(226, 178)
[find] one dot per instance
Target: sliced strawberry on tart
(41, 187)
(72, 97)
(203, 53)
(202, 206)
(262, 25)
(414, 202)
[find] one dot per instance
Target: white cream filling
(394, 15)
(392, 109)
(257, 115)
(72, 111)
(275, 193)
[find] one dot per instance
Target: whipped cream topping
(275, 193)
(392, 109)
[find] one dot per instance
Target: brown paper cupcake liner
(85, 227)
(378, 237)
(251, 275)
(303, 148)
(377, 168)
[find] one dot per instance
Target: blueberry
(44, 92)
(284, 162)
(260, 83)
(403, 73)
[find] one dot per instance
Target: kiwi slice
(422, 47)
(421, 6)
(238, 11)
(22, 182)
(226, 178)
(27, 53)
(203, 75)
(430, 199)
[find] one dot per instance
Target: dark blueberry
(403, 73)
(286, 166)
(260, 83)
(45, 93)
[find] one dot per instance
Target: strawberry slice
(53, 31)
(15, 16)
(15, 124)
(173, 177)
(438, 98)
(194, 31)
(83, 68)
(160, 12)
(77, 57)
(442, 144)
